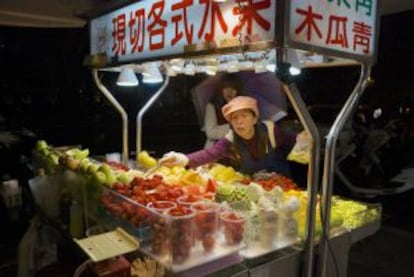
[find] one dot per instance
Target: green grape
(237, 194)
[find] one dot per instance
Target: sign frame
(200, 49)
(290, 43)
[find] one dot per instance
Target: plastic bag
(37, 248)
(46, 192)
(300, 152)
(25, 250)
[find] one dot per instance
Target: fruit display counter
(186, 219)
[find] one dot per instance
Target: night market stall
(214, 220)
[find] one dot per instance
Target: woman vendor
(215, 125)
(251, 145)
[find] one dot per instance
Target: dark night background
(45, 88)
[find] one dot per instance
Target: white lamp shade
(151, 74)
(127, 78)
(189, 69)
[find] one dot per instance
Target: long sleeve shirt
(223, 148)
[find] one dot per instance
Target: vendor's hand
(173, 158)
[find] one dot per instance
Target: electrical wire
(81, 268)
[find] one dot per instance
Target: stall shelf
(287, 262)
(364, 231)
(146, 31)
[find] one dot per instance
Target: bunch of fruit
(231, 193)
(145, 160)
(336, 218)
(355, 214)
(46, 158)
(145, 191)
(225, 174)
(123, 209)
(274, 180)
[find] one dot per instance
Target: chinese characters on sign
(158, 28)
(346, 26)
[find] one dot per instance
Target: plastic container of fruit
(206, 223)
(167, 231)
(162, 206)
(187, 200)
(182, 233)
(232, 224)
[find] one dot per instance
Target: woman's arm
(211, 154)
(213, 130)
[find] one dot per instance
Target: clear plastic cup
(159, 224)
(206, 223)
(232, 224)
(182, 233)
(162, 206)
(269, 227)
(187, 200)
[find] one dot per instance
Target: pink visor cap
(240, 103)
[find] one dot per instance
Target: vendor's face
(243, 122)
(229, 93)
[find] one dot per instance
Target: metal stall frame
(313, 170)
(329, 162)
(281, 41)
(143, 110)
(120, 109)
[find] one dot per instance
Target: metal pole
(313, 173)
(120, 109)
(329, 163)
(313, 168)
(143, 111)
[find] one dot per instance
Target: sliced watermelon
(211, 186)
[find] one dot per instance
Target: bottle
(76, 226)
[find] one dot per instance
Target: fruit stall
(186, 218)
(213, 220)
